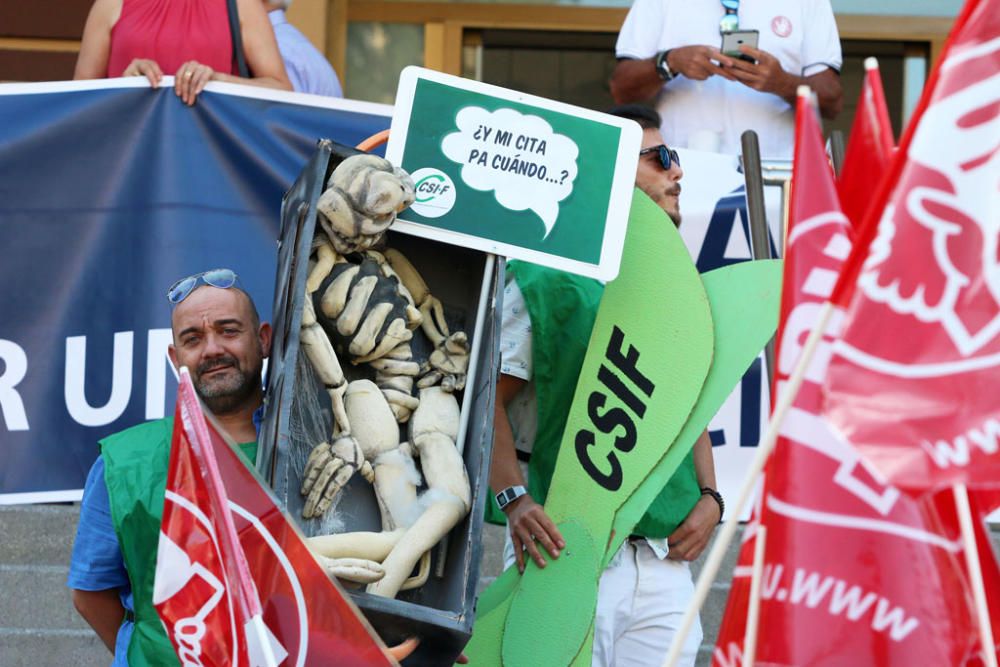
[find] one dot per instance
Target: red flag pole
(975, 574)
(753, 604)
(713, 562)
(237, 569)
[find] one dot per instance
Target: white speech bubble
(518, 156)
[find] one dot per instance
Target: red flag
(855, 572)
(915, 379)
(869, 148)
(219, 611)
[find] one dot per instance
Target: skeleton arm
(329, 467)
(449, 361)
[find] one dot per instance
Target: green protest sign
(744, 299)
(654, 331)
(514, 174)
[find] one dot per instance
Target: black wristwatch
(662, 67)
(509, 495)
(717, 497)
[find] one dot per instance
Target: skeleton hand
(448, 363)
(328, 470)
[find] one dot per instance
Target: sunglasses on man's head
(668, 156)
(221, 278)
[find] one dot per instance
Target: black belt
(129, 616)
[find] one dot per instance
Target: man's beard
(675, 214)
(225, 393)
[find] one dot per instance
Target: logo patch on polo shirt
(781, 26)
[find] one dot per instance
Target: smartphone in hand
(732, 40)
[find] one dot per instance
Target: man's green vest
(135, 472)
(563, 307)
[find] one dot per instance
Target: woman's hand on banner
(147, 68)
(191, 79)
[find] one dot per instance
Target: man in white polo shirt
(669, 49)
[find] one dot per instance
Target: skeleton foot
(357, 557)
(363, 545)
(358, 570)
(420, 578)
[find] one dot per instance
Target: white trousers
(641, 601)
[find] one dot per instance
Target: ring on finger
(188, 74)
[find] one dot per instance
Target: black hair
(648, 118)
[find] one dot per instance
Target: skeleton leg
(432, 525)
(433, 429)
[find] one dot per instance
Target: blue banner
(107, 196)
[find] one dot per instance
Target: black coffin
(469, 283)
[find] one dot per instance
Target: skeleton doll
(368, 305)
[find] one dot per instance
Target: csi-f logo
(435, 193)
(608, 421)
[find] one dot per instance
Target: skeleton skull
(363, 196)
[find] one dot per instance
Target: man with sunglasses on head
(547, 320)
(218, 335)
(670, 50)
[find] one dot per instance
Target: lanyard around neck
(730, 20)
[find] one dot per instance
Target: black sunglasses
(221, 278)
(668, 156)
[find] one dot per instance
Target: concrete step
(37, 534)
(38, 625)
(31, 585)
(48, 648)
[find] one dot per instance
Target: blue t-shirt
(97, 563)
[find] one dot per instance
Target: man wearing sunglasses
(646, 587)
(670, 50)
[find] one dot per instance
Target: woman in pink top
(187, 38)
